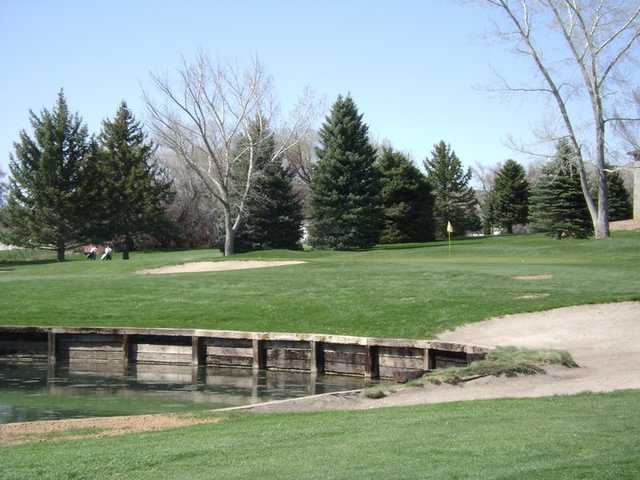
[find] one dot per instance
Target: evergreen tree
(273, 210)
(557, 204)
(454, 199)
(488, 211)
(406, 198)
(619, 198)
(133, 188)
(345, 189)
(511, 196)
(46, 206)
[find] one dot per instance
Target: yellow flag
(449, 227)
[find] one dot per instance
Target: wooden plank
(163, 358)
(371, 362)
(228, 342)
(196, 354)
(401, 362)
(288, 354)
(229, 361)
(344, 368)
(229, 351)
(400, 352)
(259, 357)
(89, 339)
(287, 364)
(282, 344)
(333, 347)
(154, 348)
(316, 359)
(51, 348)
(125, 349)
(387, 372)
(331, 356)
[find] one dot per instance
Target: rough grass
(412, 291)
(507, 361)
(503, 361)
(578, 437)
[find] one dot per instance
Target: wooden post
(51, 348)
(196, 354)
(371, 362)
(125, 350)
(317, 357)
(428, 363)
(259, 355)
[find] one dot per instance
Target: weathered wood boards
(312, 353)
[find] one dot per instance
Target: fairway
(413, 291)
(579, 437)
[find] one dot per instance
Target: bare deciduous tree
(598, 37)
(208, 119)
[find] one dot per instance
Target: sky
(414, 68)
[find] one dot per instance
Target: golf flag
(449, 227)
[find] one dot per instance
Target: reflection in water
(38, 392)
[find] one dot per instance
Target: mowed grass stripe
(576, 437)
(411, 291)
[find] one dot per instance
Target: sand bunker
(195, 267)
(80, 428)
(603, 340)
(542, 276)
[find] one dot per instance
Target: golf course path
(604, 340)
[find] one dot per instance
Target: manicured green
(413, 290)
(579, 437)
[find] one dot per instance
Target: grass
(578, 437)
(507, 361)
(410, 291)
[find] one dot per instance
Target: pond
(37, 392)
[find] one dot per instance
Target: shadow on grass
(433, 244)
(19, 263)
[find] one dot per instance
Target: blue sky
(411, 66)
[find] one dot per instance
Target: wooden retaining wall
(312, 353)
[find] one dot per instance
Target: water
(37, 392)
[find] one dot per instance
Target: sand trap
(603, 339)
(81, 428)
(622, 225)
(542, 276)
(195, 267)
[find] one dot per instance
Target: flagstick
(449, 243)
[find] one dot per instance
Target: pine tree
(619, 198)
(557, 204)
(488, 211)
(134, 190)
(273, 210)
(407, 200)
(46, 206)
(345, 199)
(454, 199)
(511, 196)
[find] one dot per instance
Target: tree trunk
(510, 229)
(127, 246)
(601, 225)
(229, 234)
(60, 252)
